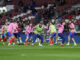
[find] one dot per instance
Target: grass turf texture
(47, 52)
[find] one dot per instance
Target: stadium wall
(76, 37)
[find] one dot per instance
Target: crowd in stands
(45, 13)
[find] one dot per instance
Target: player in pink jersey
(72, 33)
(28, 34)
(60, 32)
(4, 32)
(16, 31)
(10, 31)
(20, 29)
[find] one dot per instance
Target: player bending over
(38, 33)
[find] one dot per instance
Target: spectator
(62, 2)
(34, 11)
(21, 4)
(25, 8)
(32, 5)
(38, 17)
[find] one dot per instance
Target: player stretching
(52, 30)
(72, 33)
(10, 31)
(4, 32)
(28, 34)
(38, 33)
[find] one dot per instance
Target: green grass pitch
(47, 52)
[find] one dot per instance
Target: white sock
(32, 44)
(40, 44)
(56, 43)
(13, 43)
(68, 42)
(20, 41)
(75, 43)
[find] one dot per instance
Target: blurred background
(26, 11)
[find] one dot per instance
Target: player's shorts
(28, 35)
(3, 34)
(35, 36)
(72, 34)
(19, 34)
(53, 34)
(10, 34)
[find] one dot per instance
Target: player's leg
(73, 39)
(34, 38)
(3, 36)
(16, 37)
(27, 37)
(19, 35)
(56, 41)
(62, 37)
(56, 38)
(9, 40)
(4, 39)
(74, 42)
(30, 39)
(0, 39)
(52, 38)
(69, 37)
(41, 38)
(13, 38)
(7, 37)
(45, 37)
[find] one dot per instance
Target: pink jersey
(60, 28)
(29, 29)
(2, 29)
(11, 27)
(16, 28)
(72, 27)
(49, 29)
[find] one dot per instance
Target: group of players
(11, 31)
